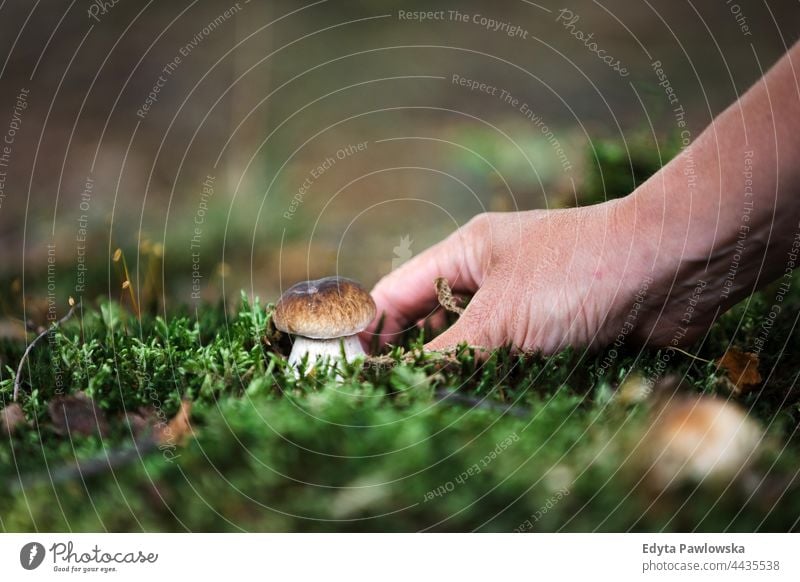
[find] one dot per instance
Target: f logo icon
(31, 555)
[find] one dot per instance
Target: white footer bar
(406, 557)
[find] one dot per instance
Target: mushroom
(698, 439)
(325, 315)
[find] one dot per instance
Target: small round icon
(31, 555)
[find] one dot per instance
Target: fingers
(407, 294)
(457, 333)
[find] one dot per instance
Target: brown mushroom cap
(324, 308)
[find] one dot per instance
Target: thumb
(408, 293)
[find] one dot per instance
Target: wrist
(667, 279)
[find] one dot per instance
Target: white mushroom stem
(324, 349)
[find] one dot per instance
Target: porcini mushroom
(324, 315)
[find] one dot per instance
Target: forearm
(726, 210)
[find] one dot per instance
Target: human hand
(657, 266)
(542, 280)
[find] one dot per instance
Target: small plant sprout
(325, 316)
(126, 279)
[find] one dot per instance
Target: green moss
(409, 442)
(407, 445)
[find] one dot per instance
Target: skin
(659, 265)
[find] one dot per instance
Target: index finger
(407, 294)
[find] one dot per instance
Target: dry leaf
(178, 430)
(11, 417)
(445, 296)
(77, 414)
(741, 368)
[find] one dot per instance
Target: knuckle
(480, 224)
(479, 232)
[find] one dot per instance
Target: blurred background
(227, 146)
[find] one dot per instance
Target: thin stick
(96, 465)
(685, 353)
(447, 397)
(18, 378)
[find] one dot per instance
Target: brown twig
(18, 378)
(84, 468)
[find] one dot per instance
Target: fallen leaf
(178, 430)
(11, 417)
(741, 369)
(77, 414)
(445, 296)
